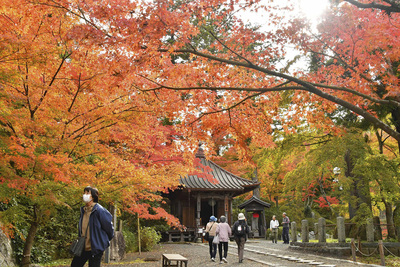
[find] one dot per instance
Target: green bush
(149, 237)
(130, 240)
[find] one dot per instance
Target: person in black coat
(240, 230)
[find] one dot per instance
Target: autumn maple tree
(87, 86)
(69, 119)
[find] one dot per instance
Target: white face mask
(87, 198)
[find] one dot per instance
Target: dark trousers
(213, 247)
(94, 260)
(285, 235)
(220, 245)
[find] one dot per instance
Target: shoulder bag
(207, 234)
(78, 245)
(216, 239)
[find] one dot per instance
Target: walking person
(273, 225)
(224, 232)
(285, 230)
(211, 229)
(96, 224)
(240, 231)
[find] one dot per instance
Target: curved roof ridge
(225, 180)
(238, 177)
(254, 199)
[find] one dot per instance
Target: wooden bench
(168, 258)
(181, 236)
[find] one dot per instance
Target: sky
(313, 9)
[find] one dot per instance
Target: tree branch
(304, 85)
(393, 7)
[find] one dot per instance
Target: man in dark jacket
(285, 231)
(240, 230)
(96, 224)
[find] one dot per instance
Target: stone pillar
(254, 225)
(370, 230)
(304, 231)
(341, 230)
(107, 252)
(294, 231)
(315, 231)
(321, 230)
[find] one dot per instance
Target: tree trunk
(349, 164)
(378, 229)
(26, 257)
(359, 191)
(389, 219)
(380, 141)
(396, 219)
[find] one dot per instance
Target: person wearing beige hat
(240, 230)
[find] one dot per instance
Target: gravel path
(196, 253)
(258, 252)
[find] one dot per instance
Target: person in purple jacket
(224, 231)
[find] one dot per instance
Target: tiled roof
(225, 181)
(255, 200)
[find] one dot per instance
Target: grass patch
(389, 260)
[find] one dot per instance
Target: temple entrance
(208, 208)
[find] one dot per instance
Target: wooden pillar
(264, 224)
(179, 211)
(231, 211)
(198, 210)
(226, 206)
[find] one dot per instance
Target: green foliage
(52, 240)
(235, 210)
(363, 213)
(130, 222)
(130, 240)
(148, 239)
(383, 172)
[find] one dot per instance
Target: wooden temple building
(254, 209)
(198, 198)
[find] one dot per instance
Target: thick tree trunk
(26, 257)
(396, 219)
(352, 206)
(389, 219)
(359, 190)
(378, 229)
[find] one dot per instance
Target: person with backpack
(240, 230)
(211, 229)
